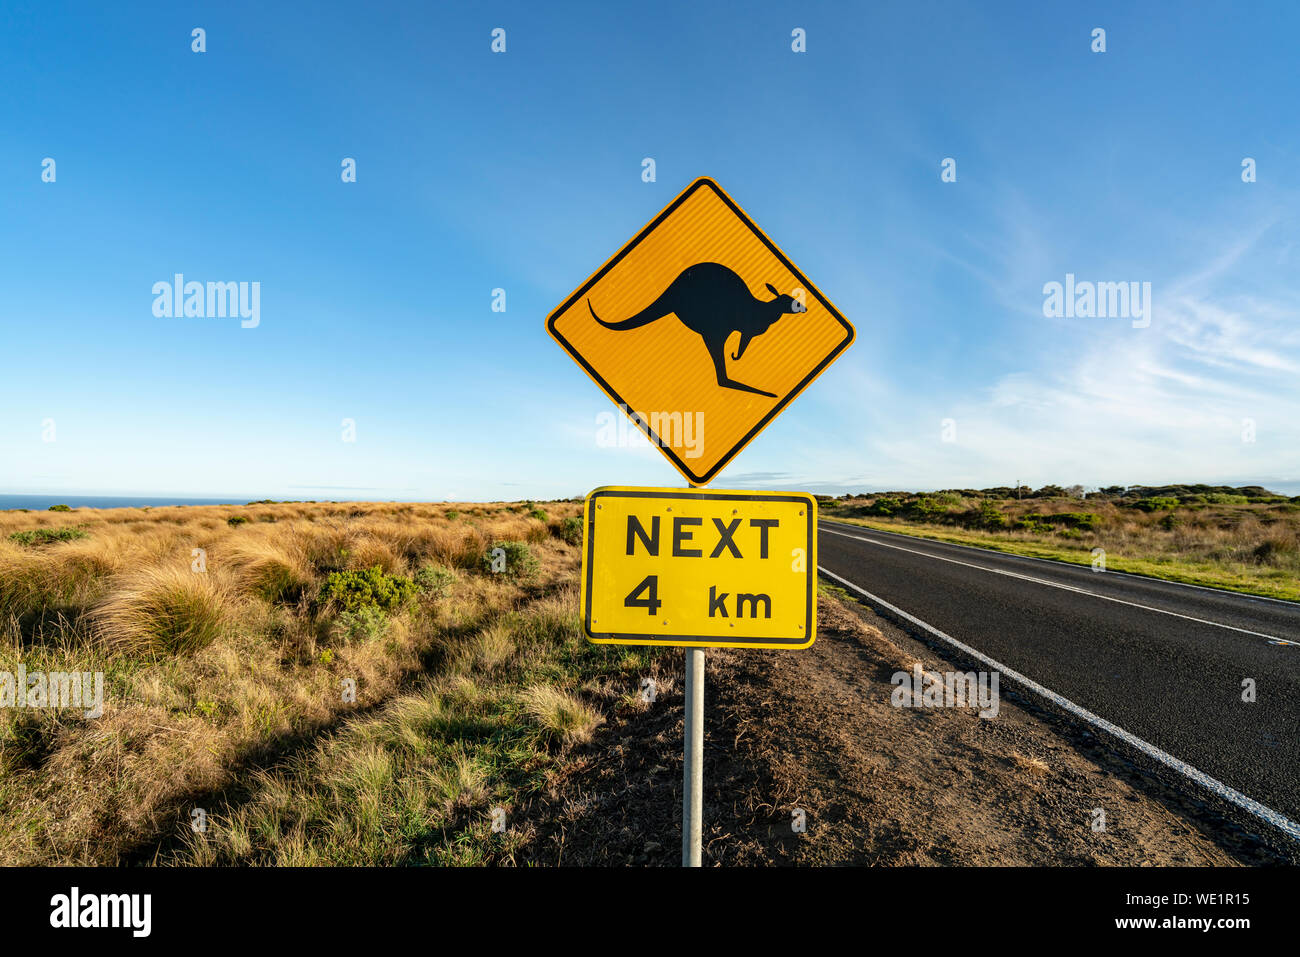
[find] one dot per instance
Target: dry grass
(221, 664)
(560, 714)
(163, 610)
(1034, 767)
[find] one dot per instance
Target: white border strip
(1283, 823)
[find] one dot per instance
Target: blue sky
(523, 171)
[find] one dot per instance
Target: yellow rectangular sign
(706, 568)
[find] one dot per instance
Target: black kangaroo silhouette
(713, 301)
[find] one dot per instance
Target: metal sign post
(693, 763)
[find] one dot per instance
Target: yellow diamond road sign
(706, 568)
(701, 330)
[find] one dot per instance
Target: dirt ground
(815, 731)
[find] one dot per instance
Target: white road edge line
(1261, 811)
(1224, 592)
(1052, 584)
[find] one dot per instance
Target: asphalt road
(1163, 661)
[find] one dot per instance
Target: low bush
(517, 564)
(990, 516)
(1225, 498)
(47, 536)
(434, 581)
(365, 623)
(366, 588)
(1159, 503)
(570, 530)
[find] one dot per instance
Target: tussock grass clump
(551, 622)
(559, 714)
(277, 571)
(1278, 548)
(490, 647)
(459, 781)
(163, 611)
(66, 579)
(372, 551)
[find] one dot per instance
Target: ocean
(41, 503)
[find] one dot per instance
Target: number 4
(651, 602)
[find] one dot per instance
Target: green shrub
(366, 623)
(1084, 521)
(434, 581)
(570, 530)
(520, 562)
(236, 520)
(1060, 522)
(60, 508)
(1159, 503)
(1031, 523)
(1225, 498)
(367, 588)
(540, 515)
(46, 536)
(928, 506)
(452, 514)
(1170, 522)
(990, 516)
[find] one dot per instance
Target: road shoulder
(815, 732)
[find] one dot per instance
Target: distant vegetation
(1120, 494)
(1244, 538)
